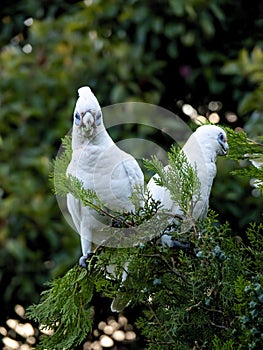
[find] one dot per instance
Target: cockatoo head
(87, 113)
(214, 138)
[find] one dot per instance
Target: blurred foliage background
(174, 53)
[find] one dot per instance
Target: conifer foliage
(65, 308)
(206, 292)
(242, 148)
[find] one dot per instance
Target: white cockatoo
(201, 150)
(101, 167)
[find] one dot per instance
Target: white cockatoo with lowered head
(201, 151)
(100, 166)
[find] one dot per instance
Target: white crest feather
(87, 100)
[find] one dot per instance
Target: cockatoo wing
(74, 208)
(125, 177)
(162, 194)
(113, 175)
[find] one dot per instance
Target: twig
(173, 269)
(212, 310)
(159, 323)
(193, 306)
(255, 142)
(217, 325)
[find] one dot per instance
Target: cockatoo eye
(223, 143)
(77, 118)
(221, 137)
(98, 118)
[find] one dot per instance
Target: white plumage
(257, 161)
(102, 167)
(201, 150)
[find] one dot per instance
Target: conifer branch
(172, 281)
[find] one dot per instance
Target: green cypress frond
(60, 164)
(181, 179)
(241, 148)
(65, 309)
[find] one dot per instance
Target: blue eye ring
(221, 137)
(77, 118)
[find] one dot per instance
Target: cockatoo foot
(83, 260)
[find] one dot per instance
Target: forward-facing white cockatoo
(201, 150)
(101, 167)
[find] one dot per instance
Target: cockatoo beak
(91, 120)
(225, 147)
(88, 121)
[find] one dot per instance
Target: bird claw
(83, 260)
